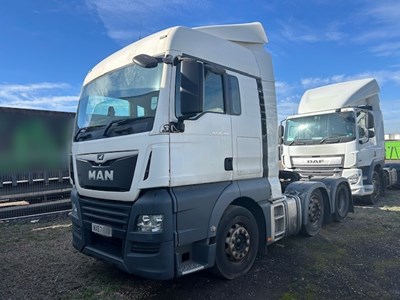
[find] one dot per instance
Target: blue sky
(47, 46)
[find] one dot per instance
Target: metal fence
(31, 193)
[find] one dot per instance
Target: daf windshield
(120, 102)
(338, 127)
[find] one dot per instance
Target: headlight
(150, 223)
(353, 179)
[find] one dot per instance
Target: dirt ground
(356, 259)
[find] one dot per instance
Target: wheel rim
(237, 243)
(314, 210)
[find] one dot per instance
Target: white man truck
(174, 157)
(338, 132)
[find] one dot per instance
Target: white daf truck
(338, 132)
(174, 157)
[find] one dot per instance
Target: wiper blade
(300, 142)
(84, 130)
(125, 121)
(331, 139)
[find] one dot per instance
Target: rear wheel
(342, 202)
(237, 243)
(377, 192)
(315, 214)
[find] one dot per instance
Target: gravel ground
(356, 259)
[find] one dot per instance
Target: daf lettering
(315, 161)
(101, 175)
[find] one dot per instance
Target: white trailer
(174, 160)
(338, 132)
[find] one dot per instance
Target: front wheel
(377, 186)
(315, 214)
(237, 243)
(342, 202)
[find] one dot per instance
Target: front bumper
(357, 187)
(149, 255)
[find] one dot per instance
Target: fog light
(353, 179)
(150, 223)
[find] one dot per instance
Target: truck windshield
(338, 127)
(120, 102)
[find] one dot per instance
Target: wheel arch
(332, 185)
(304, 189)
(247, 203)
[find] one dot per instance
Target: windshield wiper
(331, 139)
(123, 122)
(84, 130)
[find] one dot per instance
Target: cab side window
(234, 95)
(220, 91)
(362, 124)
(213, 92)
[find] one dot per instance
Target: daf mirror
(371, 122)
(371, 134)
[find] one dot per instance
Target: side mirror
(191, 88)
(281, 132)
(145, 61)
(361, 132)
(371, 122)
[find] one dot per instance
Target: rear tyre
(237, 243)
(342, 203)
(377, 189)
(315, 214)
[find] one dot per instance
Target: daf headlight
(353, 179)
(150, 223)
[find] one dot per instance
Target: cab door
(366, 140)
(201, 150)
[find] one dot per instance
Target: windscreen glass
(120, 102)
(335, 127)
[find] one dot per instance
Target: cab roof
(345, 94)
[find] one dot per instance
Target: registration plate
(102, 229)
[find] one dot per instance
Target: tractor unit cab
(338, 132)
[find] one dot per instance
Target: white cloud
(378, 25)
(381, 76)
(42, 95)
(386, 49)
(126, 20)
(300, 32)
(374, 25)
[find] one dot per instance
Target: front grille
(111, 213)
(114, 214)
(319, 171)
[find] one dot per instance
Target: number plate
(102, 230)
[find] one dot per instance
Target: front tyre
(377, 189)
(237, 243)
(342, 202)
(315, 214)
